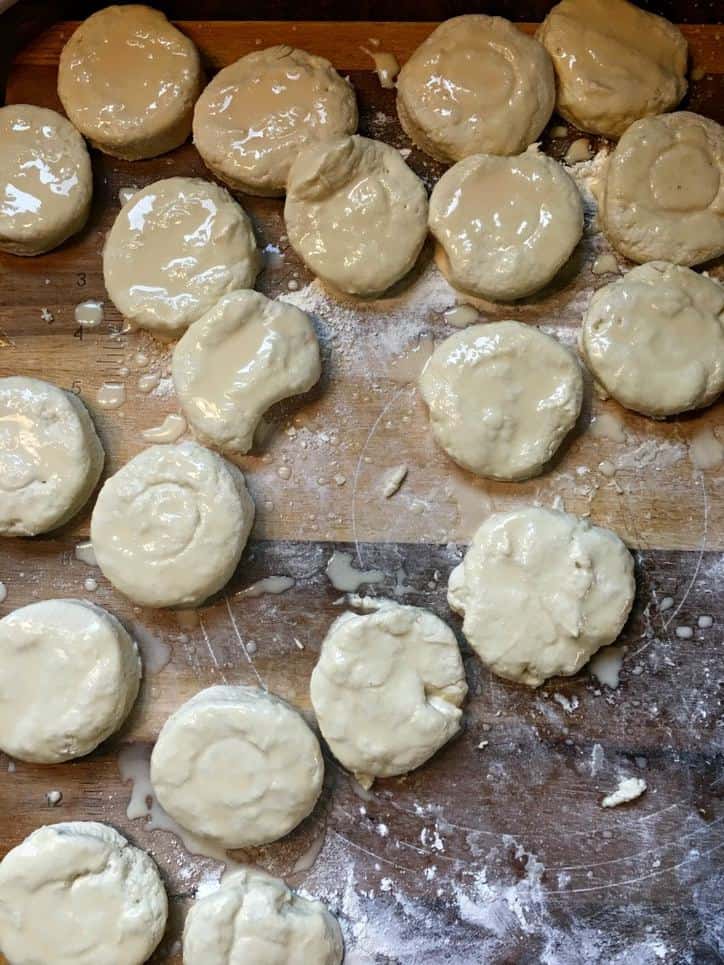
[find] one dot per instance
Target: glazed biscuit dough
(614, 63)
(355, 213)
(128, 80)
(46, 182)
(664, 190)
(69, 674)
(235, 362)
(257, 113)
(78, 893)
(50, 456)
(540, 592)
(168, 529)
(505, 226)
(654, 339)
(502, 397)
(237, 766)
(175, 248)
(477, 85)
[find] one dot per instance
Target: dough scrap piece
(502, 398)
(477, 85)
(78, 893)
(69, 674)
(505, 225)
(128, 80)
(254, 917)
(614, 63)
(654, 339)
(237, 766)
(50, 456)
(169, 528)
(540, 592)
(387, 689)
(257, 113)
(176, 247)
(243, 356)
(47, 182)
(664, 190)
(355, 213)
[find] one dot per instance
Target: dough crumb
(684, 633)
(605, 264)
(629, 788)
(580, 150)
(54, 798)
(394, 480)
(705, 622)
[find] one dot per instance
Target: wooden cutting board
(497, 851)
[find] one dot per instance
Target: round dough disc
(78, 893)
(654, 339)
(46, 180)
(238, 766)
(50, 456)
(69, 674)
(664, 190)
(169, 528)
(257, 113)
(540, 592)
(239, 359)
(614, 63)
(128, 80)
(477, 85)
(175, 248)
(502, 398)
(355, 213)
(255, 918)
(387, 689)
(505, 225)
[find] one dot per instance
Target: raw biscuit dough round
(128, 80)
(355, 213)
(46, 180)
(176, 247)
(505, 225)
(614, 63)
(502, 398)
(50, 456)
(169, 528)
(540, 592)
(654, 339)
(387, 689)
(477, 85)
(255, 918)
(237, 766)
(257, 113)
(69, 674)
(78, 893)
(664, 190)
(239, 359)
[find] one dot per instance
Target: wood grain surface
(493, 854)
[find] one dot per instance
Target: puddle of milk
(270, 584)
(154, 652)
(606, 666)
(607, 426)
(89, 314)
(461, 315)
(171, 429)
(386, 66)
(705, 450)
(111, 395)
(407, 368)
(84, 552)
(3, 593)
(343, 576)
(148, 381)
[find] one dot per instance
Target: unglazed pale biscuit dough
(169, 528)
(237, 766)
(664, 190)
(46, 182)
(257, 113)
(654, 339)
(78, 893)
(540, 592)
(387, 689)
(255, 918)
(505, 225)
(236, 361)
(175, 248)
(355, 213)
(502, 398)
(614, 63)
(477, 85)
(69, 674)
(128, 80)
(50, 456)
